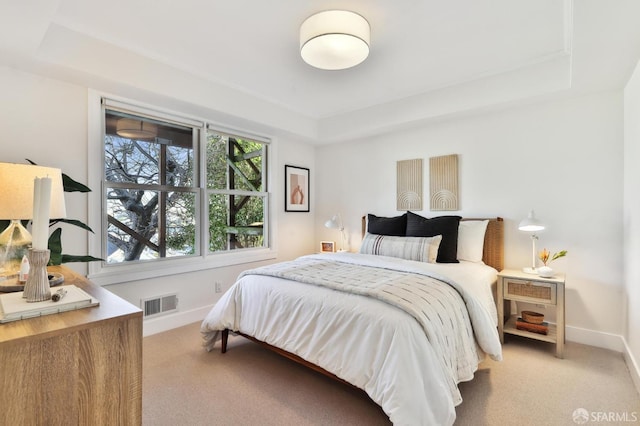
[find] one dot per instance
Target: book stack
(542, 328)
(14, 307)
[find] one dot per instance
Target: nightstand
(522, 287)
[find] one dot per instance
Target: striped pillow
(422, 249)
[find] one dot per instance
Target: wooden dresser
(82, 367)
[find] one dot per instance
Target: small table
(530, 288)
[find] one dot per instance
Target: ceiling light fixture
(334, 39)
(136, 129)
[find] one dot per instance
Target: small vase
(545, 272)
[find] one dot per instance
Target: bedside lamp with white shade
(17, 187)
(531, 224)
(336, 223)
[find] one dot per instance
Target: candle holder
(37, 288)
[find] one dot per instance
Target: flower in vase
(546, 258)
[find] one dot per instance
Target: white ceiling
(421, 50)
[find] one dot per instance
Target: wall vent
(159, 305)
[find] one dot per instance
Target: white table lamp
(531, 224)
(336, 223)
(17, 183)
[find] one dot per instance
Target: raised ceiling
(428, 58)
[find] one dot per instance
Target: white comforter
(365, 341)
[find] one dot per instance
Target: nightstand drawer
(529, 291)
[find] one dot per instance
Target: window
(235, 189)
(174, 187)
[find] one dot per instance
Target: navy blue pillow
(395, 226)
(447, 226)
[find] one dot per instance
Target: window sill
(117, 274)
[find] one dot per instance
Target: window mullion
(202, 220)
(162, 204)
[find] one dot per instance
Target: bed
(402, 319)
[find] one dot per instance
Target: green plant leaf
(67, 258)
(71, 222)
(559, 254)
(71, 185)
(55, 246)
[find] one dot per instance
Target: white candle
(41, 209)
(36, 211)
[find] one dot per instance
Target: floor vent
(159, 305)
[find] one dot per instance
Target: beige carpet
(185, 385)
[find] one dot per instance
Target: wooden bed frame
(493, 256)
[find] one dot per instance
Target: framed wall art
(443, 182)
(296, 189)
(327, 246)
(409, 185)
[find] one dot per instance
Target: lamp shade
(332, 223)
(16, 191)
(136, 129)
(531, 223)
(335, 39)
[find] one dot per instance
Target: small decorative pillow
(471, 239)
(422, 249)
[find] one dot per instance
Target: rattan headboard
(493, 254)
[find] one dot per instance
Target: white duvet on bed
(367, 342)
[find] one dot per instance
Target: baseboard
(175, 320)
(632, 365)
(598, 339)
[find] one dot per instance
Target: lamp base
(14, 244)
(529, 270)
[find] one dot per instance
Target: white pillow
(471, 239)
(422, 249)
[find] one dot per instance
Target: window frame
(264, 194)
(104, 273)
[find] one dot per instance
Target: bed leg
(225, 338)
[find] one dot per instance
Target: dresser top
(111, 307)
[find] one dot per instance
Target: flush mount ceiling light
(136, 129)
(334, 39)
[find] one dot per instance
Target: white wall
(632, 223)
(45, 120)
(562, 158)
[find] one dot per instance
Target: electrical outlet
(218, 287)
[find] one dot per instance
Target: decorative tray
(11, 283)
